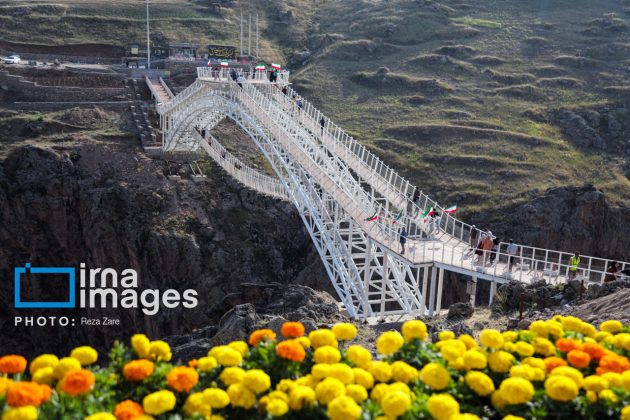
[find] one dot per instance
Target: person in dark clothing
(474, 236)
(233, 75)
(403, 240)
(203, 133)
(611, 273)
(284, 90)
(322, 123)
(495, 247)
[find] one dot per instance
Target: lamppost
(148, 40)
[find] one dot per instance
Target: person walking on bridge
(403, 240)
(574, 263)
(512, 250)
(436, 223)
(322, 124)
(487, 247)
(474, 236)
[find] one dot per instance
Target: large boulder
(460, 310)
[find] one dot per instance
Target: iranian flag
(372, 217)
(398, 216)
(276, 66)
(224, 64)
(427, 213)
(261, 67)
(451, 209)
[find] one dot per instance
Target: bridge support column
(425, 281)
(472, 290)
(438, 303)
(493, 291)
(432, 293)
(384, 283)
(367, 274)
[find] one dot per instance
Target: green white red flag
(261, 67)
(372, 217)
(224, 64)
(276, 66)
(451, 209)
(398, 217)
(427, 213)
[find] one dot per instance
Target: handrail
(224, 74)
(243, 173)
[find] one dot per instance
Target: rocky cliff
(105, 204)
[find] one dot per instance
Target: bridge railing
(166, 88)
(224, 74)
(243, 173)
(388, 231)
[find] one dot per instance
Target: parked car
(12, 59)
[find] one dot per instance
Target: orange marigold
(292, 329)
(138, 370)
(291, 350)
(182, 378)
(565, 345)
(193, 363)
(596, 351)
(21, 394)
(613, 363)
(553, 362)
(12, 364)
(128, 410)
(77, 382)
(578, 358)
(260, 335)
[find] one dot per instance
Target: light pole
(148, 40)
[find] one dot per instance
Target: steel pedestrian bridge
(339, 188)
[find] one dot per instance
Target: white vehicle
(12, 59)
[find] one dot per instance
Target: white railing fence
(225, 74)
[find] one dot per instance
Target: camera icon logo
(66, 271)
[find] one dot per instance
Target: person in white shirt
(512, 250)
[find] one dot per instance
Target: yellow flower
(414, 330)
(277, 407)
(510, 336)
(511, 417)
(329, 389)
(435, 375)
(359, 355)
(304, 342)
(232, 375)
(544, 347)
(44, 375)
(301, 396)
(356, 392)
(86, 355)
(343, 408)
(480, 383)
(342, 372)
(378, 392)
(285, 385)
(443, 406)
(389, 342)
(159, 402)
(625, 381)
(591, 396)
(241, 396)
(395, 403)
(555, 328)
(195, 404)
(571, 323)
(500, 361)
(215, 397)
(240, 346)
(100, 416)
(27, 412)
(588, 330)
(474, 359)
(466, 416)
(539, 327)
(446, 335)
(625, 413)
(64, 366)
(491, 339)
(614, 379)
(612, 326)
(608, 394)
(320, 371)
(497, 400)
(595, 383)
(452, 351)
(561, 388)
(257, 380)
(404, 372)
(524, 349)
(206, 364)
(322, 337)
(327, 354)
(516, 390)
(381, 371)
(344, 331)
(602, 336)
(569, 372)
(43, 361)
(227, 356)
(141, 345)
(363, 378)
(160, 350)
(535, 362)
(468, 341)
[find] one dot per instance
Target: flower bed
(559, 368)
